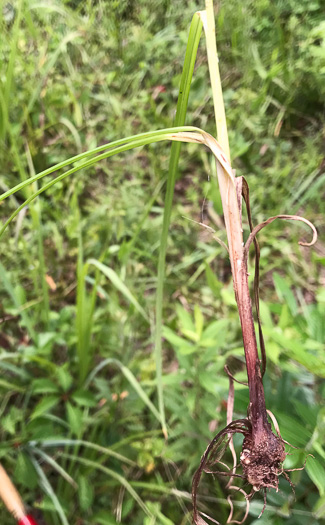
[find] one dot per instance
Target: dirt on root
(262, 460)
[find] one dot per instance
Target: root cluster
(262, 460)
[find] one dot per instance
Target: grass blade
(112, 474)
(85, 314)
(133, 142)
(141, 139)
(50, 492)
(119, 285)
(50, 461)
(17, 301)
(48, 443)
(184, 90)
(132, 380)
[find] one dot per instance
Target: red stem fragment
(27, 520)
(12, 500)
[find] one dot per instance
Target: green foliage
(80, 431)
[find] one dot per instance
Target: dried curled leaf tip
(262, 225)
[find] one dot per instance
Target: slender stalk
(213, 60)
(230, 190)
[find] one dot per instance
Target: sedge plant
(263, 451)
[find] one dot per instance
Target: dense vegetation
(80, 432)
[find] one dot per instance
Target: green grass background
(78, 271)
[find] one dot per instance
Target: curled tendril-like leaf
(252, 238)
(230, 520)
(229, 374)
(260, 226)
(212, 456)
